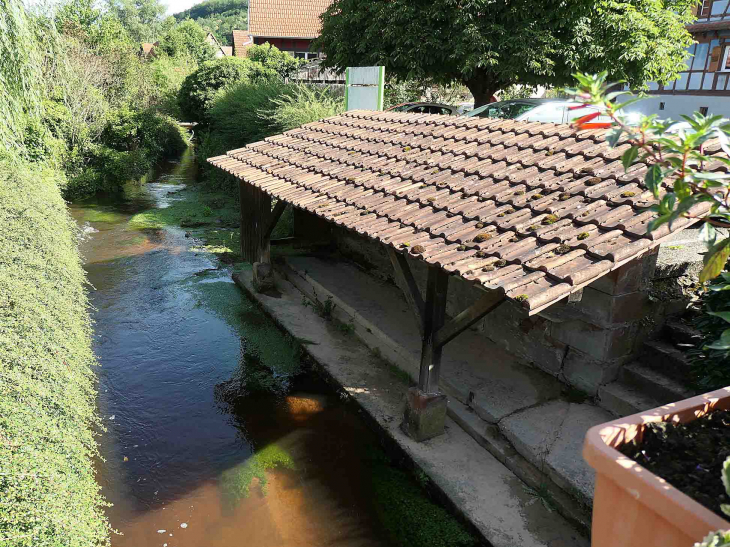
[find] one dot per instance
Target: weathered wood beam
(408, 283)
(433, 319)
(275, 216)
(467, 318)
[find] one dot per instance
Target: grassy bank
(48, 495)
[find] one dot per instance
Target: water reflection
(214, 436)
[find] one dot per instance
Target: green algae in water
(99, 215)
(406, 512)
(267, 351)
(236, 482)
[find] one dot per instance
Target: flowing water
(214, 435)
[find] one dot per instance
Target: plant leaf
(715, 260)
(722, 315)
(629, 157)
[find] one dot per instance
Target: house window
(661, 106)
(719, 7)
(704, 110)
(695, 80)
(724, 65)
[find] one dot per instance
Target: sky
(176, 6)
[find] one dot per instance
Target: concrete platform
(479, 486)
(487, 382)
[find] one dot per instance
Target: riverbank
(48, 419)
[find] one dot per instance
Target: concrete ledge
(481, 488)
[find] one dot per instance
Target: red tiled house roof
(242, 40)
(286, 18)
(535, 210)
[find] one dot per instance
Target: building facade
(290, 25)
(705, 85)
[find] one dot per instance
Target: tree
(141, 18)
(187, 38)
(491, 44)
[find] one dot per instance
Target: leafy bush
(272, 57)
(304, 104)
(236, 120)
(199, 89)
(48, 495)
(711, 359)
(130, 145)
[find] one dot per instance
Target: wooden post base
(263, 276)
(425, 415)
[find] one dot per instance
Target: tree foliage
(221, 17)
(187, 38)
(199, 89)
(143, 19)
(491, 44)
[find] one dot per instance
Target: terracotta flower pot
(632, 507)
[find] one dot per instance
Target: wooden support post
(467, 318)
(255, 221)
(433, 319)
(409, 286)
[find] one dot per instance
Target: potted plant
(634, 507)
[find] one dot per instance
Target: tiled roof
(536, 210)
(286, 18)
(241, 42)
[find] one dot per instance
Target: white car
(537, 110)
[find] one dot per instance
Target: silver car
(536, 110)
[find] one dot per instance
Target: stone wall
(583, 343)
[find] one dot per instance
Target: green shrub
(304, 104)
(272, 57)
(711, 359)
(236, 120)
(131, 144)
(199, 89)
(48, 495)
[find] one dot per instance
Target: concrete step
(477, 484)
(496, 391)
(624, 400)
(653, 384)
(681, 335)
(663, 357)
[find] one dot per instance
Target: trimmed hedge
(48, 493)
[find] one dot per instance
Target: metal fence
(314, 73)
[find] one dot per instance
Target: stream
(215, 436)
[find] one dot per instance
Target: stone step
(624, 400)
(490, 391)
(666, 359)
(653, 384)
(681, 335)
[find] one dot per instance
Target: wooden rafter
(275, 216)
(468, 317)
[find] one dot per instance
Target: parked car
(425, 108)
(536, 110)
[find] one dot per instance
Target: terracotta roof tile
(286, 18)
(534, 210)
